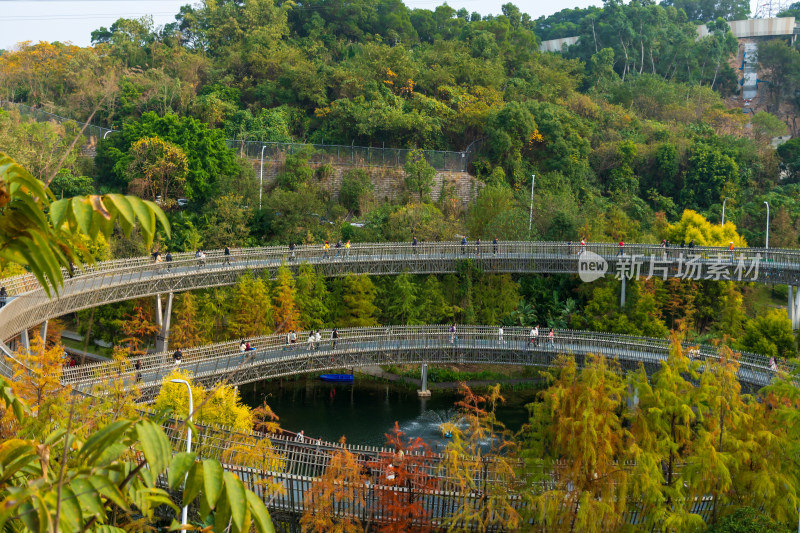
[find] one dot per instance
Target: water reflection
(365, 411)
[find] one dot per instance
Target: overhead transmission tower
(770, 8)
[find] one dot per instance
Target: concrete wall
(772, 27)
(388, 181)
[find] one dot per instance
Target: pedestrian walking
(494, 246)
(334, 337)
(338, 248)
(138, 367)
(201, 258)
(325, 248)
(242, 346)
(478, 247)
(772, 365)
(452, 332)
(227, 253)
(247, 347)
(730, 250)
(621, 247)
(464, 245)
(159, 260)
(347, 248)
(500, 335)
(291, 251)
(169, 261)
(177, 356)
(310, 341)
(691, 244)
(551, 338)
(531, 338)
(583, 246)
(71, 269)
(294, 337)
(536, 335)
(318, 339)
(414, 244)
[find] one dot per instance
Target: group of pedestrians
(314, 340)
(478, 245)
(326, 246)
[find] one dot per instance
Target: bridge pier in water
(162, 320)
(793, 306)
(423, 392)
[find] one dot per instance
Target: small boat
(337, 378)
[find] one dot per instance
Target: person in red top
(621, 246)
(583, 246)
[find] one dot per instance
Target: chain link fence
(343, 155)
(340, 155)
(98, 132)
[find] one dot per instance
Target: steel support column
(43, 331)
(163, 320)
(424, 375)
(793, 306)
(23, 337)
(622, 293)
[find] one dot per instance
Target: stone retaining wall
(388, 181)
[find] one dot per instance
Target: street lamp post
(261, 188)
(767, 204)
(185, 510)
(530, 218)
(723, 210)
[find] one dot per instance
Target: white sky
(74, 20)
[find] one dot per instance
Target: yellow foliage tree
(287, 314)
(694, 226)
(221, 406)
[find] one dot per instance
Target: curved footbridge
(299, 463)
(119, 280)
(271, 357)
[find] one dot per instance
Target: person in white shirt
(242, 346)
(500, 335)
(536, 335)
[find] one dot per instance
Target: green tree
(496, 213)
(766, 126)
(401, 300)
(227, 222)
(357, 307)
(287, 314)
(356, 187)
(208, 157)
(432, 304)
(311, 298)
(65, 185)
(187, 330)
(770, 334)
(419, 175)
(252, 311)
(157, 169)
(709, 172)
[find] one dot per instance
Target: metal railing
(91, 130)
(774, 265)
(272, 356)
(340, 155)
(344, 155)
(118, 280)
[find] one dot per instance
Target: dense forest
(624, 146)
(635, 134)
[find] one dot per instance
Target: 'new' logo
(591, 266)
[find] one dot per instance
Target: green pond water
(366, 410)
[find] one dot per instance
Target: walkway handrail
(773, 258)
(217, 360)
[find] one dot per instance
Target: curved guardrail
(271, 357)
(118, 280)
